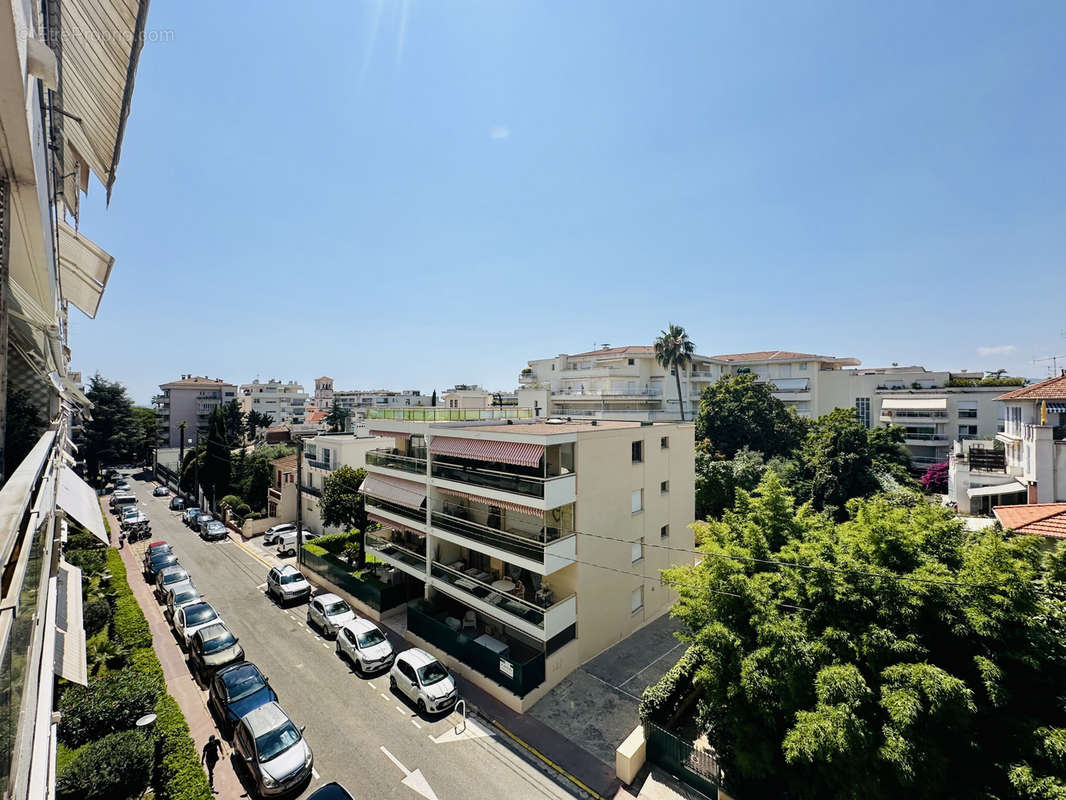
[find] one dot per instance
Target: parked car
(424, 680)
(362, 644)
(191, 618)
(273, 750)
(179, 595)
(235, 690)
(287, 584)
(123, 499)
(287, 542)
(202, 521)
(189, 516)
(214, 531)
(168, 576)
(177, 504)
(331, 791)
(158, 546)
(212, 647)
(129, 520)
(271, 535)
(160, 491)
(160, 561)
(328, 613)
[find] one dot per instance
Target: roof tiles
(1041, 519)
(1051, 389)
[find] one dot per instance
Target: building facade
(358, 401)
(282, 402)
(190, 399)
(539, 541)
(323, 399)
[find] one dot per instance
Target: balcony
(606, 394)
(395, 555)
(314, 462)
(555, 491)
(274, 494)
(311, 490)
(901, 417)
(600, 371)
(387, 460)
(403, 516)
(438, 414)
(526, 378)
(926, 437)
(554, 549)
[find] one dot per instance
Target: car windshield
(217, 638)
(195, 615)
(164, 559)
(206, 518)
(242, 682)
(370, 638)
(292, 577)
(216, 526)
(273, 743)
(432, 673)
(340, 607)
(176, 576)
(186, 596)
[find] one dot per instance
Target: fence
(379, 597)
(694, 766)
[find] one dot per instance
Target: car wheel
(421, 707)
(392, 682)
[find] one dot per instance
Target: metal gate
(694, 766)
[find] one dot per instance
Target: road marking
(395, 761)
(384, 695)
(415, 723)
(325, 645)
(549, 762)
(372, 686)
(315, 773)
(261, 586)
(402, 711)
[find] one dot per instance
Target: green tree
(838, 678)
(215, 472)
(837, 462)
(146, 425)
(112, 435)
(737, 412)
(717, 480)
(254, 420)
(674, 351)
(25, 424)
(337, 418)
(890, 455)
(117, 766)
(342, 504)
(234, 420)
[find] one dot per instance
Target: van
(120, 500)
(287, 542)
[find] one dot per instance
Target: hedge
(129, 626)
(96, 616)
(111, 702)
(335, 543)
(118, 765)
(661, 701)
(178, 775)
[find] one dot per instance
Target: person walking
(212, 751)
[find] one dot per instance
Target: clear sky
(414, 193)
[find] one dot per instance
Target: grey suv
(273, 750)
(287, 585)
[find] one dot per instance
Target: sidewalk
(180, 683)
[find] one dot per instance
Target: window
(664, 487)
(629, 361)
(638, 500)
(803, 366)
(967, 430)
(968, 409)
(664, 443)
(664, 532)
(636, 600)
(637, 552)
(862, 408)
(638, 452)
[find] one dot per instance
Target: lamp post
(299, 502)
(196, 470)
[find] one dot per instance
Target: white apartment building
(530, 545)
(282, 402)
(466, 396)
(1027, 462)
(358, 401)
(322, 455)
(191, 400)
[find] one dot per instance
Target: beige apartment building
(191, 399)
(529, 545)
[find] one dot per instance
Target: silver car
(167, 576)
(273, 750)
(328, 612)
(214, 531)
(272, 534)
(179, 595)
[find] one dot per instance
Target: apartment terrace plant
(335, 558)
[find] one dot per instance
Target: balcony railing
(926, 437)
(314, 462)
(520, 544)
(894, 414)
(438, 414)
(504, 602)
(392, 553)
(490, 479)
(598, 393)
(387, 460)
(415, 514)
(311, 490)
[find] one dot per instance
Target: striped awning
(390, 434)
(536, 512)
(391, 523)
(396, 490)
(1057, 408)
(521, 454)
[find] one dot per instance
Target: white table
(495, 645)
(503, 585)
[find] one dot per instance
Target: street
(363, 735)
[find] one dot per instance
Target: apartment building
(358, 401)
(63, 111)
(321, 456)
(1027, 461)
(472, 396)
(282, 402)
(190, 399)
(532, 544)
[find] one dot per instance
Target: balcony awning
(84, 269)
(521, 454)
(78, 499)
(1057, 408)
(72, 392)
(915, 403)
(397, 490)
(991, 491)
(391, 523)
(390, 434)
(69, 661)
(536, 512)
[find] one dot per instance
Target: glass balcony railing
(490, 479)
(387, 460)
(504, 602)
(414, 514)
(390, 551)
(529, 545)
(438, 414)
(926, 437)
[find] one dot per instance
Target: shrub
(129, 626)
(243, 510)
(111, 702)
(96, 616)
(79, 540)
(935, 479)
(145, 665)
(232, 501)
(117, 568)
(90, 562)
(661, 701)
(118, 765)
(336, 543)
(178, 774)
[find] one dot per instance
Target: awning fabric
(536, 512)
(391, 523)
(991, 491)
(78, 499)
(69, 660)
(390, 434)
(916, 403)
(519, 453)
(1057, 408)
(397, 490)
(84, 269)
(72, 392)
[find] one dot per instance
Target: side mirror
(303, 728)
(249, 759)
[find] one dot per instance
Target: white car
(271, 535)
(287, 542)
(328, 612)
(424, 680)
(189, 619)
(286, 584)
(362, 644)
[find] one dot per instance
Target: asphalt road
(363, 735)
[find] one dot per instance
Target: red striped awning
(397, 490)
(519, 453)
(390, 434)
(536, 512)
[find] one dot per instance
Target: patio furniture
(469, 621)
(469, 585)
(457, 565)
(453, 623)
(503, 585)
(495, 645)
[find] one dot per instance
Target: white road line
(395, 761)
(384, 695)
(402, 711)
(415, 723)
(262, 586)
(315, 773)
(372, 686)
(325, 645)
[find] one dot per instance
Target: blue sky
(414, 193)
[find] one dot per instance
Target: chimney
(1031, 493)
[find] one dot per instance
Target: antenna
(1054, 363)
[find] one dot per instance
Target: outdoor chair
(469, 621)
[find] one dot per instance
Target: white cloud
(998, 350)
(499, 132)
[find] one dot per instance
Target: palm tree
(673, 350)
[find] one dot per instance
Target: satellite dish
(145, 721)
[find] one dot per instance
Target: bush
(129, 626)
(96, 616)
(178, 775)
(111, 702)
(90, 562)
(117, 766)
(145, 665)
(117, 568)
(243, 510)
(80, 540)
(336, 543)
(661, 701)
(231, 501)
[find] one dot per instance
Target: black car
(331, 791)
(212, 648)
(177, 504)
(235, 690)
(158, 562)
(160, 491)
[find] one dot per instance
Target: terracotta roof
(638, 349)
(1041, 519)
(285, 463)
(1051, 389)
(776, 355)
(317, 416)
(324, 378)
(196, 381)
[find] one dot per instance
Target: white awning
(72, 392)
(916, 403)
(69, 661)
(991, 491)
(78, 499)
(84, 269)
